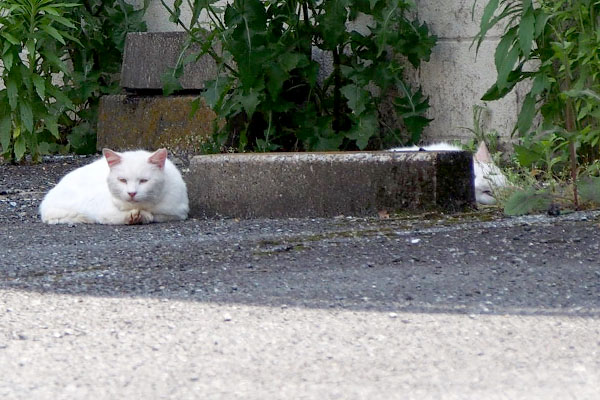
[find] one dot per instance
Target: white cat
(133, 187)
(488, 177)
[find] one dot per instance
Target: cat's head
(136, 177)
(488, 177)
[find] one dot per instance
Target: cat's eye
(143, 180)
(122, 180)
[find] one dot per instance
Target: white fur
(488, 177)
(98, 193)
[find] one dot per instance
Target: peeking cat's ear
(112, 157)
(158, 158)
(483, 155)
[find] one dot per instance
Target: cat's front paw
(137, 217)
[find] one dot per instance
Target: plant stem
(570, 125)
(337, 83)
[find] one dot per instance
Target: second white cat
(488, 177)
(132, 187)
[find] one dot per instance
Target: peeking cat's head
(136, 177)
(488, 177)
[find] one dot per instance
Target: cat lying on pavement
(133, 187)
(488, 177)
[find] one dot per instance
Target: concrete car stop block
(278, 185)
(152, 122)
(148, 55)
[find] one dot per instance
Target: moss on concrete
(151, 122)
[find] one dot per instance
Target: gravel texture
(429, 306)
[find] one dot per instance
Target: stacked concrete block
(144, 118)
(127, 122)
(148, 55)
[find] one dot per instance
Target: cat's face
(484, 192)
(136, 177)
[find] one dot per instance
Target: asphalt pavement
(430, 306)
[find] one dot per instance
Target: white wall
(455, 78)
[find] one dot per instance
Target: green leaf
(12, 93)
(44, 148)
(292, 60)
(13, 40)
(358, 98)
(526, 115)
(82, 139)
(40, 86)
(540, 22)
(26, 115)
(504, 46)
(488, 13)
(51, 123)
(170, 80)
(7, 60)
(332, 23)
(5, 132)
(216, 91)
(494, 93)
(526, 202)
(249, 102)
(363, 130)
(540, 84)
(526, 31)
(50, 30)
(385, 27)
(176, 11)
(62, 100)
(63, 21)
(328, 143)
(527, 156)
(506, 67)
(486, 22)
(276, 77)
(415, 125)
(20, 147)
(582, 93)
(54, 60)
(30, 46)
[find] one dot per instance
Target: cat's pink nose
(132, 194)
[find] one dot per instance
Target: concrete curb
(275, 185)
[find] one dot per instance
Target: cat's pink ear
(112, 157)
(158, 158)
(483, 155)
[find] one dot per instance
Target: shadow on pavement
(382, 265)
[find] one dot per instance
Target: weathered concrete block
(148, 55)
(276, 185)
(133, 122)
